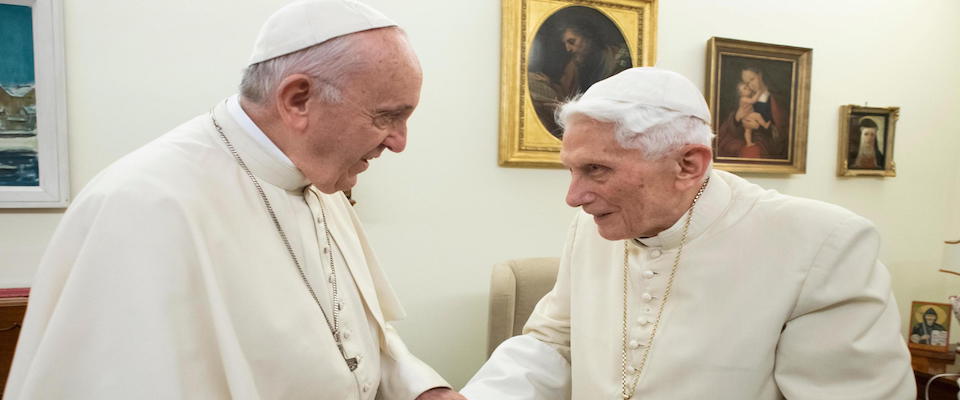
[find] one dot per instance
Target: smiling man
(222, 260)
(680, 282)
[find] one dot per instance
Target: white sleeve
(521, 368)
(403, 375)
(843, 339)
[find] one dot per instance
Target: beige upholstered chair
(515, 288)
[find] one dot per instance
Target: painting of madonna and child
(754, 110)
(574, 48)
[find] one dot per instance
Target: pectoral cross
(352, 362)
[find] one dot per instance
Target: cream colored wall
(443, 212)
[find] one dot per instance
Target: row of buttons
(345, 334)
(646, 318)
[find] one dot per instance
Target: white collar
(713, 203)
(250, 128)
(256, 154)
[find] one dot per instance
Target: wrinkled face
(377, 100)
(868, 137)
(751, 79)
(575, 44)
(930, 318)
(628, 195)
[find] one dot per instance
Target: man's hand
(440, 394)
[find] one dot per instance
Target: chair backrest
(515, 288)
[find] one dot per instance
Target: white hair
(653, 130)
(328, 63)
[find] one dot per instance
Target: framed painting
(929, 326)
(552, 51)
(33, 131)
(866, 141)
(759, 97)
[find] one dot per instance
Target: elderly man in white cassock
(680, 282)
(222, 260)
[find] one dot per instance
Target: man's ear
(694, 162)
(292, 97)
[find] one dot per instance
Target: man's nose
(397, 140)
(578, 195)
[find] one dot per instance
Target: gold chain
(628, 389)
(335, 300)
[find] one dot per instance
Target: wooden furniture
(13, 304)
(929, 364)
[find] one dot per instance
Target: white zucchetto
(305, 23)
(651, 87)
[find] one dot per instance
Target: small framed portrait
(552, 51)
(866, 141)
(33, 114)
(759, 96)
(929, 326)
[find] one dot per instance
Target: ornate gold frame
(524, 142)
(916, 305)
(889, 166)
(801, 58)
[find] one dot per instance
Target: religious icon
(573, 49)
(866, 141)
(929, 326)
(758, 96)
(553, 50)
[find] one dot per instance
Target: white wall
(443, 212)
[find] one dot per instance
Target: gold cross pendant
(352, 363)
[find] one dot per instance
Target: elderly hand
(440, 394)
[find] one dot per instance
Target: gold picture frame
(929, 333)
(859, 127)
(551, 51)
(759, 97)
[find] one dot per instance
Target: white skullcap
(305, 23)
(651, 87)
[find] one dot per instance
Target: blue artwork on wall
(18, 98)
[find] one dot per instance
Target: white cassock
(166, 279)
(775, 297)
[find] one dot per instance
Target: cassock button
(646, 297)
(643, 321)
(365, 388)
(326, 250)
(655, 253)
(631, 370)
(648, 310)
(330, 278)
(649, 274)
(346, 335)
(634, 344)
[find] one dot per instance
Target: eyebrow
(394, 110)
(583, 163)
